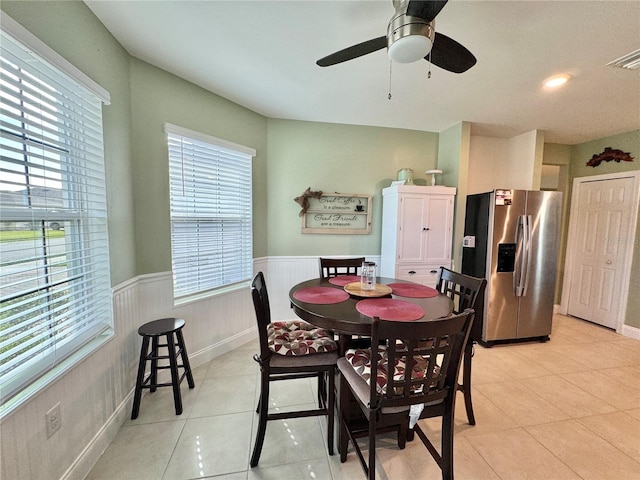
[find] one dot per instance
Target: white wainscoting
(96, 395)
(214, 324)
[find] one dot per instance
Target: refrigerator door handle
(527, 251)
(520, 276)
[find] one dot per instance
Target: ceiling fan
(411, 36)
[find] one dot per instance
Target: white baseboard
(83, 464)
(207, 354)
(99, 443)
(631, 332)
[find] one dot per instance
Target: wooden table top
(344, 318)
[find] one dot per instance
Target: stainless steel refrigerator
(511, 238)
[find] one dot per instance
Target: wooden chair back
(263, 312)
(465, 291)
(332, 267)
(431, 350)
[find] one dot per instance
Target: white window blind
(211, 211)
(55, 286)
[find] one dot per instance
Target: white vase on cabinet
(417, 232)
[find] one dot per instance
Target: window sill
(202, 296)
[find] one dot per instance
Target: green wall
(580, 155)
(157, 98)
(453, 160)
(72, 30)
(335, 158)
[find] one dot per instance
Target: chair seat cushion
(360, 360)
(295, 337)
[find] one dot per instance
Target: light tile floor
(565, 409)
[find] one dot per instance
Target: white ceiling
(262, 54)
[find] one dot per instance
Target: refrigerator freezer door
(501, 312)
(536, 307)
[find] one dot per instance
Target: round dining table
(343, 316)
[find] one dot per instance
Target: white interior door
(600, 249)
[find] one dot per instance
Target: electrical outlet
(53, 419)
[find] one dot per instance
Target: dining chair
(414, 375)
(466, 292)
(290, 350)
(332, 267)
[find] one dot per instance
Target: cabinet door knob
(425, 229)
(433, 272)
(412, 272)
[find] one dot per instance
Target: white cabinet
(417, 230)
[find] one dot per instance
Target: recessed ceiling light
(557, 80)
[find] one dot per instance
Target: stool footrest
(146, 382)
(163, 357)
(158, 357)
(164, 367)
(155, 385)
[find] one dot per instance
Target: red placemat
(390, 309)
(321, 295)
(413, 290)
(342, 280)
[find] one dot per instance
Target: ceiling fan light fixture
(409, 49)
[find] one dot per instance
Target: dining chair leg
(331, 405)
(371, 470)
(447, 445)
(343, 438)
(466, 382)
(322, 390)
(262, 419)
(403, 432)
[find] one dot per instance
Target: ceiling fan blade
(425, 9)
(450, 55)
(354, 51)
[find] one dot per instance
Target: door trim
(572, 240)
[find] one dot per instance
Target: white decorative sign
(338, 213)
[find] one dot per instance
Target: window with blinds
(54, 259)
(211, 211)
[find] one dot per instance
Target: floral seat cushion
(360, 360)
(295, 337)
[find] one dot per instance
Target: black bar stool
(168, 327)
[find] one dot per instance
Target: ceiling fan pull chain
(429, 72)
(389, 96)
